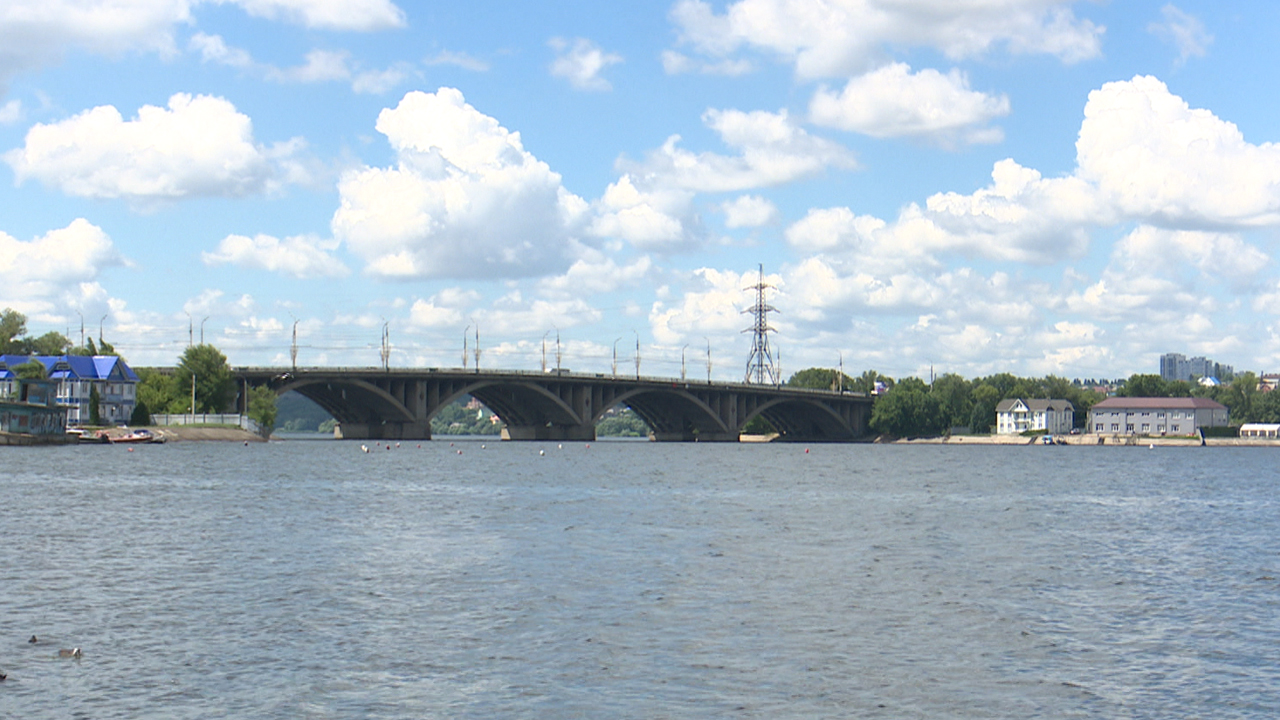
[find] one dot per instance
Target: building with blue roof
(76, 377)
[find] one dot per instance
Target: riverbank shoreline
(1090, 440)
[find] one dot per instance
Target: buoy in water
(364, 448)
(542, 452)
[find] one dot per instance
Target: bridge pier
(585, 433)
(390, 430)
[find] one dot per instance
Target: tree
(984, 398)
(215, 387)
(158, 392)
(95, 406)
(50, 343)
(820, 379)
(866, 382)
(141, 415)
(1140, 385)
(1240, 397)
(13, 325)
(31, 370)
(262, 406)
(909, 409)
(954, 399)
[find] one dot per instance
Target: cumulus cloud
(676, 63)
(581, 62)
(212, 48)
(300, 256)
(36, 32)
(650, 219)
(894, 102)
(1158, 160)
(197, 146)
(50, 271)
(1185, 31)
(832, 38)
(596, 274)
(465, 198)
(320, 66)
(748, 211)
(711, 303)
(358, 15)
(772, 150)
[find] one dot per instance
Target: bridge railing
(568, 374)
(242, 421)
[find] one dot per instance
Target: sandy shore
(181, 433)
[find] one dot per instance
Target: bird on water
(72, 653)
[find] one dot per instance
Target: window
(1098, 427)
(1128, 427)
(1146, 427)
(1115, 427)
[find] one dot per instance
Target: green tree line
(912, 408)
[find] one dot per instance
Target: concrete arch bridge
(398, 404)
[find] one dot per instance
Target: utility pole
(81, 327)
(557, 351)
(761, 368)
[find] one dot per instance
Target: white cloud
(1185, 31)
(321, 66)
(465, 199)
(1158, 160)
(831, 38)
(197, 146)
(596, 274)
(893, 102)
(712, 304)
(749, 211)
(581, 63)
(359, 15)
(773, 150)
(377, 82)
(458, 59)
(301, 256)
(446, 309)
(214, 49)
(674, 63)
(10, 112)
(49, 272)
(36, 32)
(655, 219)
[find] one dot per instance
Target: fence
(243, 421)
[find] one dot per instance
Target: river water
(479, 579)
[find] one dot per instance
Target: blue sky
(973, 186)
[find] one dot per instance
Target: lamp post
(615, 357)
(464, 346)
(704, 337)
(100, 322)
(682, 375)
(557, 350)
(637, 354)
(202, 322)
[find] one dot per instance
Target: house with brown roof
(1015, 415)
(1156, 416)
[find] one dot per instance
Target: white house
(1156, 416)
(1016, 415)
